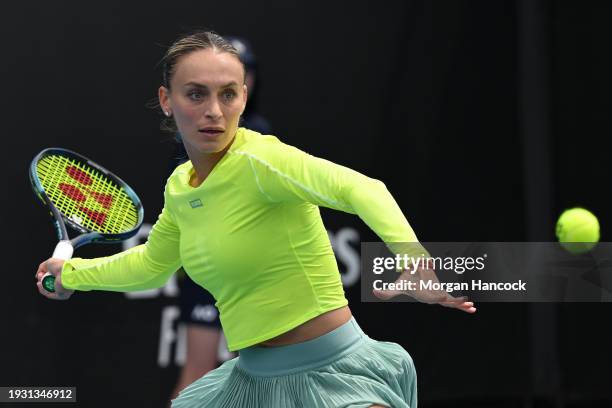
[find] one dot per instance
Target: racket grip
(63, 250)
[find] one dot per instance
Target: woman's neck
(203, 164)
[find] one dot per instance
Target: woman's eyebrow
(196, 84)
(231, 83)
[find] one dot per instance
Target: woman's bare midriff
(311, 329)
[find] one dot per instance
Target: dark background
(484, 118)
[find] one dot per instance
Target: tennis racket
(85, 196)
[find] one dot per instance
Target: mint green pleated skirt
(341, 369)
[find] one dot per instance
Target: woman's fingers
(40, 272)
(460, 303)
(457, 301)
(467, 307)
(471, 309)
(52, 266)
(386, 294)
(443, 299)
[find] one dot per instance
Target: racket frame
(66, 246)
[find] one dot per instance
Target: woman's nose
(213, 110)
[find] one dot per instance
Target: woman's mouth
(211, 131)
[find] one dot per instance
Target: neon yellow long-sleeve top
(252, 235)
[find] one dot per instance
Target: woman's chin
(203, 144)
(207, 147)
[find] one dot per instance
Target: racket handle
(63, 250)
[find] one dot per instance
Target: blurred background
(485, 119)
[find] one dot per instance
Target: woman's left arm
(285, 173)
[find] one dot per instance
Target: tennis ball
(577, 230)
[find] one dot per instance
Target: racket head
(85, 196)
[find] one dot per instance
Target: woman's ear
(245, 95)
(164, 100)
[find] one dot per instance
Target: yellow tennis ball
(577, 230)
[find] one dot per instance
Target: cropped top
(252, 235)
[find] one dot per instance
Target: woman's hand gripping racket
(85, 196)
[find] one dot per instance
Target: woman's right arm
(145, 266)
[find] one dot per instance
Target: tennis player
(197, 305)
(242, 218)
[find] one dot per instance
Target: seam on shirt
(112, 258)
(330, 201)
(138, 250)
(295, 254)
(257, 179)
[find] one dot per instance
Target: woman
(242, 218)
(199, 315)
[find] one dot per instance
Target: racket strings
(87, 196)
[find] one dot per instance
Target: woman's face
(207, 95)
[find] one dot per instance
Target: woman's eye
(229, 95)
(195, 95)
